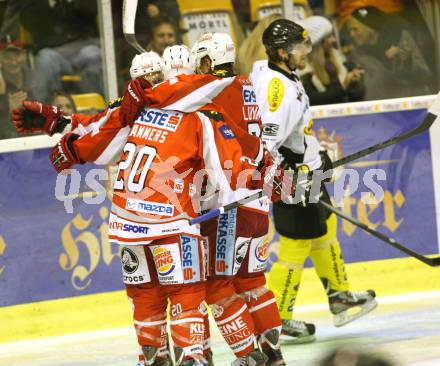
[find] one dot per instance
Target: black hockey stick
(433, 262)
(129, 8)
(427, 122)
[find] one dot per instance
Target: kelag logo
(164, 261)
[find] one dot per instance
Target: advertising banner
(48, 253)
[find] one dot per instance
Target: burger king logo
(261, 252)
(164, 261)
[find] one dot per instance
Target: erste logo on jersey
(225, 243)
(249, 95)
(275, 94)
(250, 107)
(163, 257)
(167, 120)
(190, 259)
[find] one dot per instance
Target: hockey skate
(156, 363)
(270, 346)
(209, 359)
(254, 358)
(192, 362)
(347, 306)
(150, 354)
(297, 332)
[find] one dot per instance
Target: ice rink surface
(406, 328)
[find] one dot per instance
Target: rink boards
(50, 259)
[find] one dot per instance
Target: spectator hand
(16, 99)
(63, 156)
(272, 179)
(134, 101)
(36, 117)
(353, 77)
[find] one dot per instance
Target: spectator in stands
(14, 85)
(169, 8)
(164, 34)
(394, 66)
(65, 38)
(327, 77)
(64, 101)
(346, 7)
(252, 49)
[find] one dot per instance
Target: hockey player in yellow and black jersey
(305, 230)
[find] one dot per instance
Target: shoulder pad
(275, 93)
(115, 103)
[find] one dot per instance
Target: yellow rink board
(110, 310)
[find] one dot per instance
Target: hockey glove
(327, 165)
(134, 101)
(272, 179)
(36, 117)
(63, 155)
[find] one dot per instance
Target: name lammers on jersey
(152, 208)
(148, 133)
(166, 120)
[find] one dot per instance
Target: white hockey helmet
(177, 60)
(219, 47)
(145, 63)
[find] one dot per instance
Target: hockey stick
(433, 262)
(129, 8)
(433, 113)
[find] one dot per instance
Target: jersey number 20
(137, 174)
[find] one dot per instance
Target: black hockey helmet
(283, 33)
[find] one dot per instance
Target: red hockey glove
(273, 180)
(134, 101)
(63, 156)
(36, 117)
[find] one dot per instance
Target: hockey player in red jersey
(239, 99)
(242, 261)
(121, 226)
(236, 98)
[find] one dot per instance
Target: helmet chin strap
(286, 63)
